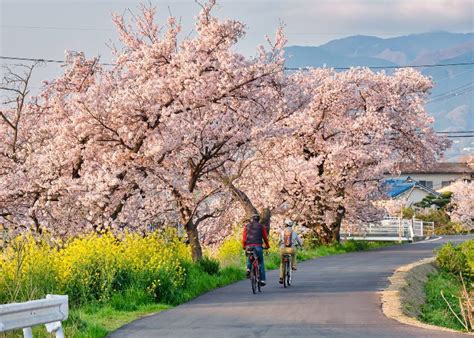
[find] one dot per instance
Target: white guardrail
(49, 311)
(390, 228)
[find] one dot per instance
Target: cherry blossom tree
(462, 201)
(140, 144)
(362, 125)
(357, 126)
(18, 142)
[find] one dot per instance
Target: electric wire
(286, 68)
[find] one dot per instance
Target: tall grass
(454, 262)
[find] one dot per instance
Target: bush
(93, 267)
(467, 249)
(442, 221)
(27, 269)
(451, 259)
(352, 245)
(130, 299)
(163, 288)
(230, 252)
(209, 265)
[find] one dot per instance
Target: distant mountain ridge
(452, 112)
(409, 48)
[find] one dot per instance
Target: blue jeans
(259, 252)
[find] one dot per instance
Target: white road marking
(429, 240)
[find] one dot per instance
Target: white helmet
(289, 222)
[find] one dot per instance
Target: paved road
(334, 296)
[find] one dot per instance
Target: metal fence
(389, 229)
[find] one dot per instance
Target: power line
(41, 60)
(457, 134)
(29, 59)
(286, 68)
(249, 31)
(461, 136)
(59, 28)
(453, 93)
(394, 67)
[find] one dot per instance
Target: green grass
(435, 310)
(95, 321)
(452, 262)
(98, 319)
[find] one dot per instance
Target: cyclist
(255, 235)
(288, 241)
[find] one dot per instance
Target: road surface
(335, 296)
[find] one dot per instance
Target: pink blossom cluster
(462, 203)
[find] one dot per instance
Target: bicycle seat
(250, 250)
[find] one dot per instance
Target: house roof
(397, 186)
(439, 168)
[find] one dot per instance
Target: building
(440, 175)
(405, 188)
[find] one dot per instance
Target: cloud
(458, 117)
(326, 19)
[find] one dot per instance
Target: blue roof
(397, 186)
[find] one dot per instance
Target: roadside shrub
(87, 267)
(442, 221)
(467, 249)
(230, 252)
(130, 299)
(452, 259)
(94, 267)
(163, 288)
(352, 245)
(209, 265)
(27, 269)
(310, 239)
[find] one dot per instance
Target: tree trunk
(265, 214)
(193, 237)
(243, 199)
(190, 226)
(329, 234)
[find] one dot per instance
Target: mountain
(452, 98)
(300, 56)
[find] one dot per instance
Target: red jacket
(254, 235)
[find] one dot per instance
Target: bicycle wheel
(288, 273)
(285, 269)
(257, 272)
(253, 280)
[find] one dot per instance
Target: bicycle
(254, 270)
(287, 271)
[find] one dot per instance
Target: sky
(45, 29)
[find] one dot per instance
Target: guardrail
(390, 229)
(49, 311)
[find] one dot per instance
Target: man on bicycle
(288, 241)
(254, 236)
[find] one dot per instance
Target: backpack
(287, 237)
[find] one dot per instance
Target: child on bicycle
(288, 241)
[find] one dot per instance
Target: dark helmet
(256, 217)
